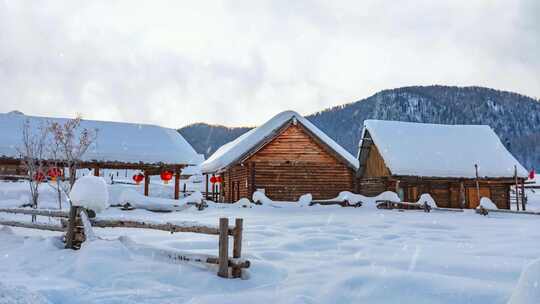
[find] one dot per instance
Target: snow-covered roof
(433, 150)
(116, 141)
(232, 151)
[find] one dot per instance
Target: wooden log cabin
(148, 148)
(455, 164)
(286, 157)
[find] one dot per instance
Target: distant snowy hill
(514, 117)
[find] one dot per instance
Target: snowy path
(299, 255)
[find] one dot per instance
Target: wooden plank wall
(288, 181)
(445, 192)
(375, 166)
(294, 164)
(289, 166)
(235, 184)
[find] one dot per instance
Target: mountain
(206, 139)
(514, 117)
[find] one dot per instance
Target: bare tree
(71, 144)
(55, 163)
(32, 153)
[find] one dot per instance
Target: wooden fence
(71, 223)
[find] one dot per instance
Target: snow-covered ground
(299, 255)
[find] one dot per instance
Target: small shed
(119, 145)
(286, 157)
(455, 164)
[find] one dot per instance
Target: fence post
(70, 234)
(237, 246)
(223, 256)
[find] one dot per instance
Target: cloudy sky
(239, 62)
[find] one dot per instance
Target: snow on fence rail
(73, 226)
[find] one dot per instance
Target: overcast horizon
(239, 63)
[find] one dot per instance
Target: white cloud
(239, 62)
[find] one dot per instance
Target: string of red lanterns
(216, 179)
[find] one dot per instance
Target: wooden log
(223, 255)
(486, 210)
(70, 234)
(146, 182)
(163, 227)
(43, 212)
(32, 225)
(237, 246)
(206, 186)
(177, 185)
(523, 198)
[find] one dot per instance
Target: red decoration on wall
(138, 178)
(166, 176)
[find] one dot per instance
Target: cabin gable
(293, 145)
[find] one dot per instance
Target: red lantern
(138, 178)
(39, 176)
(213, 179)
(532, 174)
(54, 173)
(219, 179)
(166, 176)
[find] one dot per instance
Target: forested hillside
(515, 118)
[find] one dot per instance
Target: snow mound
(140, 201)
(426, 198)
(305, 200)
(259, 197)
(487, 203)
(354, 198)
(527, 290)
(90, 192)
(244, 203)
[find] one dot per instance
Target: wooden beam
(96, 170)
(237, 246)
(195, 228)
(146, 182)
(177, 185)
(206, 186)
(223, 255)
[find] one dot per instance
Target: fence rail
(73, 227)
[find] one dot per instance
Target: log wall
(446, 192)
(291, 165)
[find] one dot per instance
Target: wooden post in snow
(206, 187)
(177, 184)
(477, 183)
(523, 197)
(461, 195)
(70, 234)
(237, 246)
(223, 255)
(146, 182)
(517, 188)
